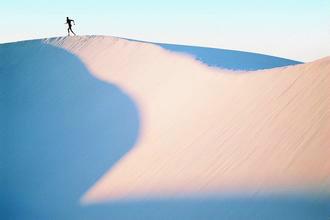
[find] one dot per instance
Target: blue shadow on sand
(231, 59)
(62, 129)
(227, 59)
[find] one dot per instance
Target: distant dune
(164, 122)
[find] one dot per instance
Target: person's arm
(73, 22)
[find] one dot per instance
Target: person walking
(69, 22)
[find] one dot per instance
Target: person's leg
(72, 31)
(70, 28)
(68, 31)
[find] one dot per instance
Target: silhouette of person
(69, 22)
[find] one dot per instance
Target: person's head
(67, 18)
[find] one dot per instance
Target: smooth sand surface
(208, 131)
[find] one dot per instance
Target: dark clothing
(69, 22)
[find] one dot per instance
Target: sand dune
(207, 130)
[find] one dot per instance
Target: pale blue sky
(287, 28)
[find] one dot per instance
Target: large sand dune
(157, 133)
(207, 130)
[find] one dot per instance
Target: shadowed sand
(206, 130)
(62, 129)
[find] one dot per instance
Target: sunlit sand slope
(207, 131)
